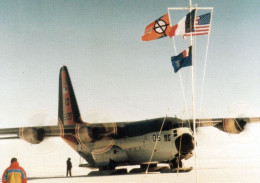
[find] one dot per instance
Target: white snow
(220, 158)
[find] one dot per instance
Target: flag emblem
(158, 29)
(202, 25)
(184, 59)
(185, 25)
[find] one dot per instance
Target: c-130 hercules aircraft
(108, 145)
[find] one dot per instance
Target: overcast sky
(113, 71)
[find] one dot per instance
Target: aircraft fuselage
(114, 144)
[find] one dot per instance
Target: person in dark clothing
(69, 167)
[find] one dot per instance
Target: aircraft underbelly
(105, 155)
(114, 155)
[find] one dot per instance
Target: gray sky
(112, 70)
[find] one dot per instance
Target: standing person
(14, 173)
(69, 167)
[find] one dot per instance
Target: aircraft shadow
(55, 177)
(78, 176)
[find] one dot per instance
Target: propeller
(33, 122)
(97, 116)
(243, 113)
(101, 131)
(242, 110)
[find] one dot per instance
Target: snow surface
(220, 158)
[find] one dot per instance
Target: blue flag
(184, 59)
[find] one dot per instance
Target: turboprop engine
(32, 135)
(97, 137)
(232, 125)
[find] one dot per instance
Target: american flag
(202, 25)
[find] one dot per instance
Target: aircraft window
(175, 133)
(183, 124)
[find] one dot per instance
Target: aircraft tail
(68, 111)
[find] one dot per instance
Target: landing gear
(108, 171)
(151, 168)
(177, 170)
(176, 163)
(176, 166)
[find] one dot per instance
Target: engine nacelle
(97, 137)
(32, 135)
(232, 125)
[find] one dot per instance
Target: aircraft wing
(9, 133)
(34, 134)
(229, 125)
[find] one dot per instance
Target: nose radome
(185, 143)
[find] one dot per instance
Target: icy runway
(207, 175)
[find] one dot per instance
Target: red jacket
(14, 174)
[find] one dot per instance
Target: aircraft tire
(176, 163)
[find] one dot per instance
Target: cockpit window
(172, 123)
(174, 133)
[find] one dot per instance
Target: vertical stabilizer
(68, 108)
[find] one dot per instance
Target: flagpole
(192, 77)
(193, 101)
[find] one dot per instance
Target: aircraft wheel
(176, 163)
(120, 171)
(107, 168)
(136, 170)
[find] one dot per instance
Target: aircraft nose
(185, 143)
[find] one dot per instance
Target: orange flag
(158, 29)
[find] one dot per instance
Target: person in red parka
(14, 173)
